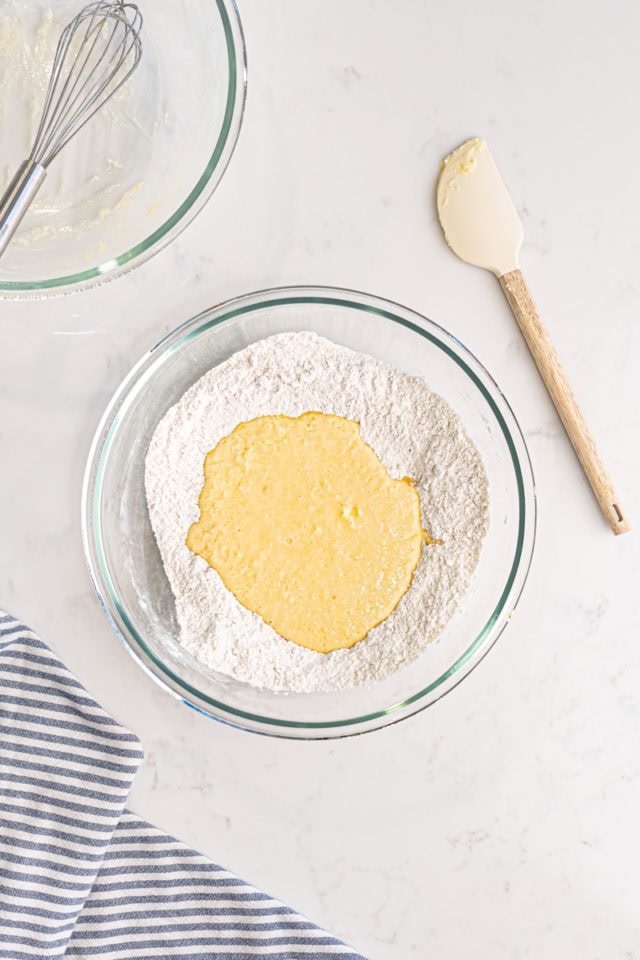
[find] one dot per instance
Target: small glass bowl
(123, 557)
(129, 182)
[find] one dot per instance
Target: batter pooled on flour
(351, 431)
(305, 526)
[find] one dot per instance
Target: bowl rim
(92, 525)
(196, 199)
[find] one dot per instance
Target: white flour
(414, 433)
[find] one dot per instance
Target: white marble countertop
(503, 821)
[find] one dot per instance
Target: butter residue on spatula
(480, 222)
(482, 226)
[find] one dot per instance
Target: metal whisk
(97, 52)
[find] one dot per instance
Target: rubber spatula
(481, 225)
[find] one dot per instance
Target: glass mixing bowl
(125, 564)
(144, 165)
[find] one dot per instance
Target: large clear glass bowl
(144, 165)
(125, 564)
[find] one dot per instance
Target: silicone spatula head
(480, 222)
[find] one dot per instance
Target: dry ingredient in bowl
(413, 432)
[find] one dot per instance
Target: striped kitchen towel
(80, 875)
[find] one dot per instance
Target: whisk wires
(96, 54)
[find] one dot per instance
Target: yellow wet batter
(307, 529)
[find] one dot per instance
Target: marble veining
(502, 822)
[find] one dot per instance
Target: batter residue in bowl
(306, 527)
(412, 431)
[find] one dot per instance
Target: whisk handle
(17, 199)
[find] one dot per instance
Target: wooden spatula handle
(555, 380)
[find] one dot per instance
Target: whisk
(96, 54)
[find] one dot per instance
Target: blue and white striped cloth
(80, 875)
